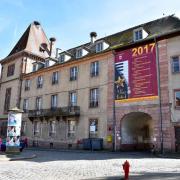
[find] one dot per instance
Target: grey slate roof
(153, 28)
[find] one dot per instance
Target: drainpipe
(114, 106)
(20, 82)
(159, 93)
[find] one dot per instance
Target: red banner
(135, 73)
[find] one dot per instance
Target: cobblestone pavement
(52, 165)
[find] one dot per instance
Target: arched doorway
(136, 131)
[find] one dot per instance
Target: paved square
(52, 165)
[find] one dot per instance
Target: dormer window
(99, 47)
(34, 67)
(139, 34)
(79, 53)
(47, 63)
(62, 58)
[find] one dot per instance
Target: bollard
(126, 167)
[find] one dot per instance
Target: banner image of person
(13, 129)
(135, 74)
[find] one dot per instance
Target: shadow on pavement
(145, 176)
(45, 156)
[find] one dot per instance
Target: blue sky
(71, 21)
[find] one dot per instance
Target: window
(99, 47)
(7, 99)
(175, 64)
(38, 103)
(23, 128)
(71, 128)
(34, 67)
(73, 73)
(62, 58)
(55, 77)
(36, 127)
(52, 128)
(47, 63)
(138, 34)
(54, 101)
(27, 85)
(94, 69)
(73, 98)
(177, 98)
(10, 70)
(25, 105)
(94, 97)
(78, 53)
(39, 82)
(93, 128)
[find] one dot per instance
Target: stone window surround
(95, 134)
(10, 70)
(176, 107)
(172, 68)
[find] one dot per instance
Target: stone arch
(136, 131)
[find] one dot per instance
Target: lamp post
(13, 130)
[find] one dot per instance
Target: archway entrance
(136, 131)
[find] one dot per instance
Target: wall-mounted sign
(136, 74)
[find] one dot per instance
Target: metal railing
(60, 111)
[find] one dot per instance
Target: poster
(136, 74)
(13, 129)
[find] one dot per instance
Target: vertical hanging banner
(136, 74)
(14, 129)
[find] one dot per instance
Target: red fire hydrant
(126, 167)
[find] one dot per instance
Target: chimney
(52, 40)
(93, 36)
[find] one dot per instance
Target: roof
(124, 38)
(34, 37)
(31, 40)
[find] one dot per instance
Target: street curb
(170, 156)
(18, 158)
(23, 158)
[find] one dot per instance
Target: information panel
(136, 74)
(13, 129)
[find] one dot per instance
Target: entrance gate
(136, 131)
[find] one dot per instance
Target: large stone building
(123, 88)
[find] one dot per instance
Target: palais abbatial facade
(123, 88)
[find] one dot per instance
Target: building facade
(123, 88)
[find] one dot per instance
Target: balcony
(62, 111)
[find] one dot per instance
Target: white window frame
(27, 84)
(93, 128)
(175, 92)
(52, 128)
(55, 77)
(62, 58)
(99, 46)
(94, 69)
(38, 103)
(73, 98)
(34, 67)
(71, 128)
(36, 127)
(54, 101)
(79, 53)
(25, 104)
(94, 97)
(73, 73)
(47, 63)
(173, 58)
(39, 81)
